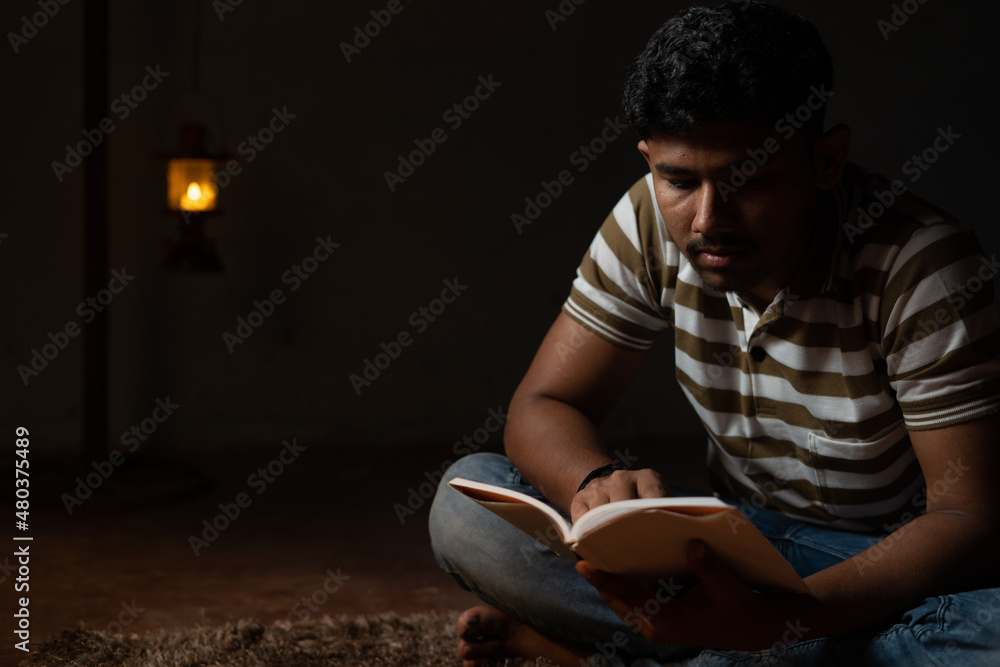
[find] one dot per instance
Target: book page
(529, 514)
(653, 544)
(686, 505)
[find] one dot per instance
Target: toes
(484, 633)
(481, 650)
(468, 626)
(482, 622)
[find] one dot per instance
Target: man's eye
(682, 185)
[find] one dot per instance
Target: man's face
(745, 237)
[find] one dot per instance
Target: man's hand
(551, 431)
(619, 485)
(718, 612)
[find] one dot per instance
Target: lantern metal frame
(191, 165)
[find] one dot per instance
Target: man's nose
(712, 216)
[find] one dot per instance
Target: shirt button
(758, 354)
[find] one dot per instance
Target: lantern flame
(198, 198)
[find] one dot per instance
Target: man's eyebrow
(672, 170)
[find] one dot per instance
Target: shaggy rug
(385, 640)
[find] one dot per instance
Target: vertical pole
(95, 228)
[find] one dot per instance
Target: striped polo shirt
(888, 327)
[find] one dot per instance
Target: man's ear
(830, 156)
(644, 149)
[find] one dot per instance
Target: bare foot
(486, 633)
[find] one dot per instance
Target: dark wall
(323, 176)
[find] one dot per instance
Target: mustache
(726, 241)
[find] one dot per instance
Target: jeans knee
(450, 510)
(453, 517)
(484, 467)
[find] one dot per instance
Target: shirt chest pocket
(863, 477)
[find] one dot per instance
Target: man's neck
(755, 301)
(764, 294)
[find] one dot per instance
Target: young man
(836, 336)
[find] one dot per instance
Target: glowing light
(198, 197)
(190, 186)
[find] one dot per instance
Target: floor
(320, 533)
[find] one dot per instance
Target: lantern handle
(195, 90)
(172, 120)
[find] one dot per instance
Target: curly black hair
(742, 60)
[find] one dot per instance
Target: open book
(646, 538)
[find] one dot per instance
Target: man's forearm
(935, 554)
(551, 431)
(553, 445)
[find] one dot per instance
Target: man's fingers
(621, 594)
(703, 563)
(650, 485)
(578, 507)
(625, 485)
(619, 485)
(625, 597)
(709, 570)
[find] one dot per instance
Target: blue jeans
(516, 574)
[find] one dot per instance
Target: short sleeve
(624, 286)
(941, 339)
